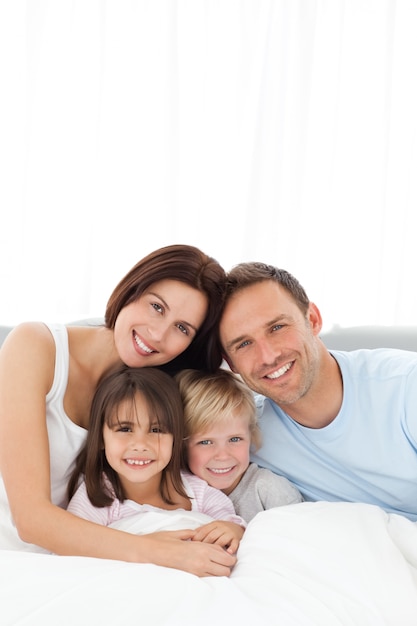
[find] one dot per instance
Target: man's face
(270, 343)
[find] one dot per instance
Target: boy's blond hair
(211, 399)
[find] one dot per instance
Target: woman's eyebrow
(158, 295)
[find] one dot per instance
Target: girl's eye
(156, 429)
(124, 429)
(235, 439)
(204, 442)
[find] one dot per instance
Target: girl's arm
(26, 373)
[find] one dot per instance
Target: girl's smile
(136, 447)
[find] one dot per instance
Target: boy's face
(220, 455)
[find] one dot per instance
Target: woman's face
(160, 324)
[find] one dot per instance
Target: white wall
(281, 131)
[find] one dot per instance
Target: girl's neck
(149, 492)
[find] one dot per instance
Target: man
(339, 425)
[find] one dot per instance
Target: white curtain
(275, 130)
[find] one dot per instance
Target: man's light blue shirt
(369, 452)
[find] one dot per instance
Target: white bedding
(321, 564)
(154, 520)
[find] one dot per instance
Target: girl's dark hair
(188, 265)
(163, 400)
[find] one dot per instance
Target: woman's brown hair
(163, 400)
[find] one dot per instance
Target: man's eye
(277, 327)
(243, 344)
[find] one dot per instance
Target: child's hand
(225, 534)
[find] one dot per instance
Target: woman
(166, 306)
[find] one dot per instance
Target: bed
(321, 564)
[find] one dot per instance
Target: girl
(166, 306)
(220, 428)
(132, 456)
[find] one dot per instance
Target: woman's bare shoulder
(29, 332)
(28, 350)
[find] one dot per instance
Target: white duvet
(321, 564)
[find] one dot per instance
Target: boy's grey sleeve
(261, 489)
(274, 490)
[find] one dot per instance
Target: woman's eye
(183, 329)
(157, 307)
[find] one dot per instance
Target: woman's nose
(158, 331)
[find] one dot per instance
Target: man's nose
(267, 352)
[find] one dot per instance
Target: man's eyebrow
(157, 295)
(230, 344)
(277, 320)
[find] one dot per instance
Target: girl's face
(220, 455)
(135, 447)
(160, 325)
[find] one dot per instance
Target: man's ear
(229, 363)
(314, 317)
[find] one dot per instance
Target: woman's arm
(27, 361)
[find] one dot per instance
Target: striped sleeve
(81, 506)
(211, 501)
